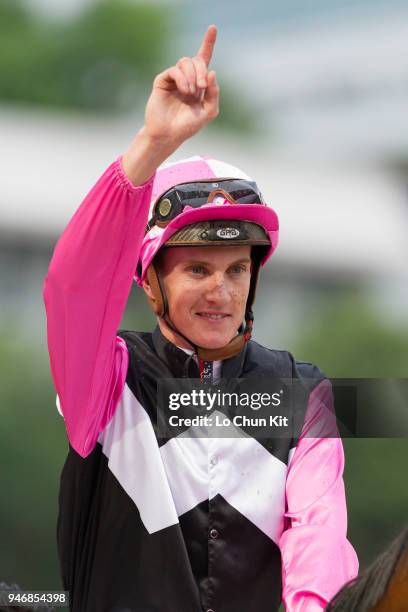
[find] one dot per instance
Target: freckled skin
(200, 280)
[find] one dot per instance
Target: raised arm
(91, 271)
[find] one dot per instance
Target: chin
(212, 341)
(208, 344)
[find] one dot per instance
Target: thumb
(212, 94)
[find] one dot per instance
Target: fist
(185, 97)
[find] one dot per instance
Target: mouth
(213, 316)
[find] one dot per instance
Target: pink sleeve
(317, 558)
(85, 293)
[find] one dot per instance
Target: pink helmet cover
(201, 168)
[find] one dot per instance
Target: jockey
(178, 521)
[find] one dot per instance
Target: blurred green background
(96, 64)
(102, 59)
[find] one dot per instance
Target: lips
(213, 316)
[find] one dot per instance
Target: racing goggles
(198, 193)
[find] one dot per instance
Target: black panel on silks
(108, 559)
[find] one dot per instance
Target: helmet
(204, 201)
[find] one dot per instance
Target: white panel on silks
(169, 481)
(130, 444)
(248, 477)
(290, 455)
(185, 460)
(251, 479)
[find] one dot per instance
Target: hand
(185, 97)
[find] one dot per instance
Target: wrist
(162, 145)
(145, 154)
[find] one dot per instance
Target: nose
(216, 287)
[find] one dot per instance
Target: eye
(197, 270)
(238, 269)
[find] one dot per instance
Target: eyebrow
(207, 263)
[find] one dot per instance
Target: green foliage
(101, 59)
(32, 450)
(235, 112)
(377, 497)
(138, 315)
(346, 338)
(104, 59)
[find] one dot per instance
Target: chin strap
(160, 307)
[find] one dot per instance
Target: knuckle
(199, 60)
(184, 60)
(162, 75)
(158, 77)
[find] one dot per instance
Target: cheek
(239, 295)
(181, 296)
(241, 289)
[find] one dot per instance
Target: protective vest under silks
(184, 524)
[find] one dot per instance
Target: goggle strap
(222, 193)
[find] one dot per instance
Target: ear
(153, 292)
(148, 289)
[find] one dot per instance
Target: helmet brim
(158, 236)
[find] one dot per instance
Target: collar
(183, 365)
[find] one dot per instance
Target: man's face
(207, 290)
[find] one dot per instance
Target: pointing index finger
(207, 46)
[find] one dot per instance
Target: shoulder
(136, 340)
(281, 363)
